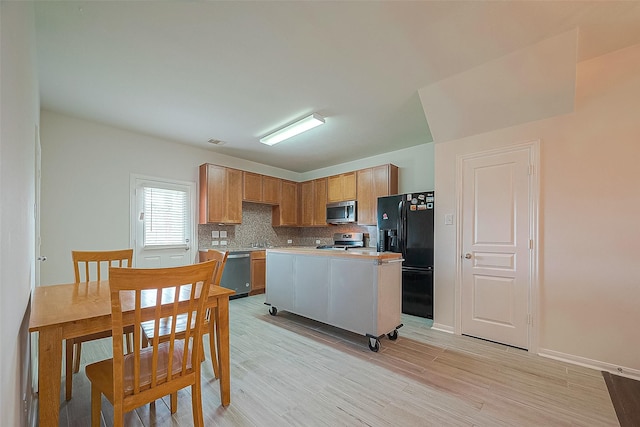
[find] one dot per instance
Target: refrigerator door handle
(401, 228)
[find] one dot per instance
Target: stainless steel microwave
(341, 212)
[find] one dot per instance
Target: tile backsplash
(256, 229)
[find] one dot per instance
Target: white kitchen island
(356, 290)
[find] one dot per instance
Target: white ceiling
(234, 71)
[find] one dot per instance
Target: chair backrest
(95, 264)
(221, 257)
(139, 294)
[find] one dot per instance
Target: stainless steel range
(344, 241)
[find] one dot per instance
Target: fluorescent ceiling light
(293, 129)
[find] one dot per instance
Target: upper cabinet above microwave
(341, 187)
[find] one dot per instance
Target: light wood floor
(287, 370)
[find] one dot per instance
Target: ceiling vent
(216, 142)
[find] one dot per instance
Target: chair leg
(196, 404)
(214, 342)
(118, 415)
(68, 368)
(96, 406)
(77, 350)
(212, 346)
(174, 402)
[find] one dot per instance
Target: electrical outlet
(215, 243)
(215, 234)
(223, 233)
(223, 243)
(317, 242)
(448, 219)
(289, 241)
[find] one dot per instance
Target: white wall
(590, 207)
(20, 115)
(415, 165)
(86, 168)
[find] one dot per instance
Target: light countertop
(351, 253)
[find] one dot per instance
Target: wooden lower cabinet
(258, 272)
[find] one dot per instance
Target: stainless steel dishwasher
(237, 273)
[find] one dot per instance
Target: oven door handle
(238, 256)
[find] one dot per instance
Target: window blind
(165, 217)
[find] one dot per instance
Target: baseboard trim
(443, 328)
(590, 363)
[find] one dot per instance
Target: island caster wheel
(273, 311)
(374, 345)
(393, 335)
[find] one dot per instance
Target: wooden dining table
(71, 310)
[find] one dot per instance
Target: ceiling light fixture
(293, 129)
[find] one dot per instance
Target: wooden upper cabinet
(271, 190)
(260, 188)
(251, 187)
(306, 203)
(341, 187)
(313, 201)
(220, 195)
(286, 213)
(374, 182)
(320, 201)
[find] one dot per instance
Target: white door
(496, 237)
(36, 214)
(162, 221)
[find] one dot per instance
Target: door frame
(533, 148)
(133, 180)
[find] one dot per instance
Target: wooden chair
(210, 324)
(132, 380)
(94, 266)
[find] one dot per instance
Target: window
(164, 217)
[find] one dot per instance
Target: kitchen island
(356, 290)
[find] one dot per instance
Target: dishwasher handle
(238, 256)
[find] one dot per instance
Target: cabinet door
(341, 187)
(334, 189)
(286, 213)
(270, 190)
(216, 193)
(385, 180)
(251, 187)
(220, 195)
(372, 183)
(366, 201)
(320, 201)
(349, 186)
(234, 197)
(258, 271)
(307, 203)
(289, 203)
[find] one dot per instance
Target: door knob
(467, 256)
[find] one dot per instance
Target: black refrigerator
(405, 225)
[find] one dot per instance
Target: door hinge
(530, 243)
(531, 169)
